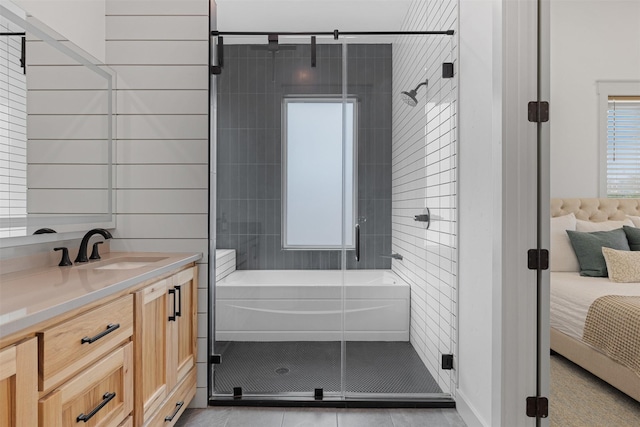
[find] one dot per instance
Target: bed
(572, 294)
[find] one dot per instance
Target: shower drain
(282, 371)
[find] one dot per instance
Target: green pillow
(633, 236)
(588, 249)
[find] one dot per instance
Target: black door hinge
(538, 111)
(537, 407)
(447, 361)
(538, 259)
(215, 359)
(216, 69)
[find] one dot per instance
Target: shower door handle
(357, 242)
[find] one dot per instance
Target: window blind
(13, 135)
(623, 147)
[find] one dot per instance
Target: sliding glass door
(335, 218)
(280, 231)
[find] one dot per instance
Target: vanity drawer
(76, 343)
(101, 396)
(174, 406)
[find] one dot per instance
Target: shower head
(410, 97)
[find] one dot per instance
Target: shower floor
(291, 367)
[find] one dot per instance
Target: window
(620, 139)
(313, 157)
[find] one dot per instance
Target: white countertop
(32, 296)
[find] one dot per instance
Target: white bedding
(572, 294)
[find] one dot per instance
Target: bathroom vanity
(111, 342)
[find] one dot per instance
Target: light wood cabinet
(165, 342)
(19, 384)
(127, 360)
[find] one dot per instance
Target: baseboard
(467, 412)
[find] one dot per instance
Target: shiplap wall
(424, 175)
(159, 50)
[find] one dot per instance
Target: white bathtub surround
(306, 305)
(225, 263)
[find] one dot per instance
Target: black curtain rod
(334, 33)
(13, 34)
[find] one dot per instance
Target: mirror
(56, 127)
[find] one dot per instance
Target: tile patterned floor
(318, 417)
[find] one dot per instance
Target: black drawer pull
(175, 412)
(179, 312)
(106, 399)
(110, 328)
(172, 318)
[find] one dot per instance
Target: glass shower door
(278, 292)
(400, 295)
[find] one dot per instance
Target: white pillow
(635, 220)
(561, 256)
(622, 266)
(601, 226)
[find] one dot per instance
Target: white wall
(479, 230)
(424, 175)
(311, 15)
(160, 51)
(80, 21)
(590, 41)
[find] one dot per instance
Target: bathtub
(306, 305)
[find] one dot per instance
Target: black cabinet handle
(358, 242)
(105, 399)
(175, 412)
(172, 318)
(110, 328)
(179, 290)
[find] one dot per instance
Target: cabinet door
(185, 329)
(19, 384)
(152, 358)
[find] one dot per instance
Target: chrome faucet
(394, 256)
(82, 252)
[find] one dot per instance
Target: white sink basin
(126, 263)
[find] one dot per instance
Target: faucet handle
(65, 257)
(94, 251)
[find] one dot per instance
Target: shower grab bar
(357, 242)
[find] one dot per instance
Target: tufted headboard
(596, 210)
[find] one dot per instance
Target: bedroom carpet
(580, 399)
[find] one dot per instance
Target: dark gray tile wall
(250, 92)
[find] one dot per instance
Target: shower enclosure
(335, 218)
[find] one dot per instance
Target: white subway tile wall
(159, 50)
(424, 175)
